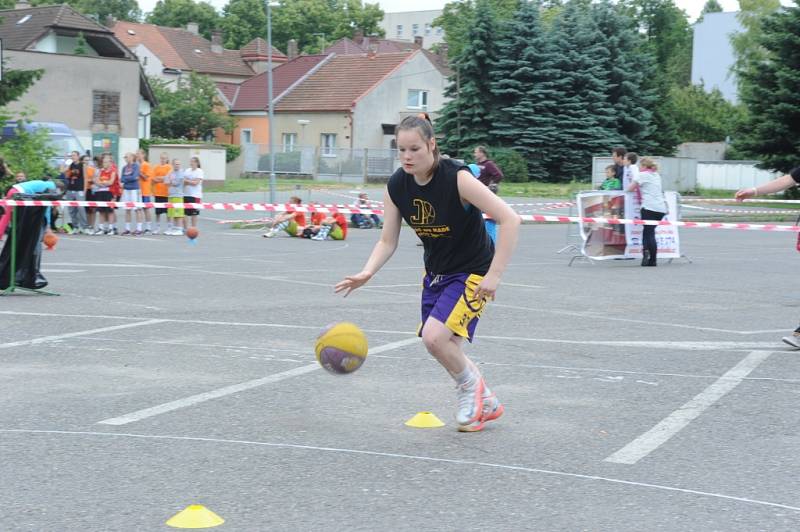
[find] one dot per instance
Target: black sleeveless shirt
(454, 236)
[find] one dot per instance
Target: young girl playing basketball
(441, 200)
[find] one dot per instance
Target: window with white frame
(289, 142)
(417, 99)
(415, 29)
(328, 144)
(427, 28)
(399, 30)
(246, 136)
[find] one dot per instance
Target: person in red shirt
(335, 227)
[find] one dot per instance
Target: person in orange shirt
(145, 185)
(291, 222)
(89, 171)
(161, 189)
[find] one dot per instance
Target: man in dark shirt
(618, 154)
(76, 191)
(490, 173)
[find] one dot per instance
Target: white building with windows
(406, 25)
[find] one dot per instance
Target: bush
(232, 151)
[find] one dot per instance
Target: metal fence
(356, 165)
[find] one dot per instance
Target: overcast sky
(692, 7)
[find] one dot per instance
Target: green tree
(768, 87)
(701, 116)
(178, 13)
(243, 21)
(101, 9)
(314, 23)
(189, 111)
(712, 6)
(466, 120)
(458, 17)
(586, 121)
(523, 87)
(27, 151)
(629, 67)
(746, 44)
(668, 38)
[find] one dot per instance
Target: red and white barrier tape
(624, 221)
(270, 207)
(731, 200)
(743, 211)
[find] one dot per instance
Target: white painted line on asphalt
(45, 339)
(236, 388)
(675, 422)
(523, 285)
(106, 265)
(689, 346)
(48, 270)
(207, 396)
(399, 456)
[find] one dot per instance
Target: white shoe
(156, 231)
(470, 401)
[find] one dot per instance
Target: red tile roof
(341, 81)
(347, 46)
(182, 49)
(252, 94)
(257, 49)
(229, 91)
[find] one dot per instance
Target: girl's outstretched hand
(352, 282)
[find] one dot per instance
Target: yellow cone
(195, 516)
(425, 420)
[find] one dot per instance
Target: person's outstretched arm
(770, 187)
(383, 250)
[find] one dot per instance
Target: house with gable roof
(102, 93)
(168, 53)
(326, 106)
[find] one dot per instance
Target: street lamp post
(271, 112)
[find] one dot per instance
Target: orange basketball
(192, 233)
(50, 240)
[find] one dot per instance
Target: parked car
(60, 138)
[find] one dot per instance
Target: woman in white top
(648, 181)
(192, 190)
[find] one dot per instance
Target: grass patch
(262, 185)
(538, 189)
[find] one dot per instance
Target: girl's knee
(435, 339)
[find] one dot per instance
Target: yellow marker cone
(195, 516)
(425, 420)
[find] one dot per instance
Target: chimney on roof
(358, 36)
(371, 53)
(291, 49)
(443, 49)
(193, 27)
(110, 21)
(418, 40)
(22, 4)
(216, 41)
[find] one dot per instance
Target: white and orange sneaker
(491, 410)
(470, 401)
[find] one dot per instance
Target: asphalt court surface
(169, 374)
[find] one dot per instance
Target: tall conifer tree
(466, 119)
(770, 88)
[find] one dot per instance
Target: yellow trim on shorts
(467, 308)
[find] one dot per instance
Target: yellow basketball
(341, 348)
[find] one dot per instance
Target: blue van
(61, 138)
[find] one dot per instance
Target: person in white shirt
(631, 170)
(654, 207)
(192, 191)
